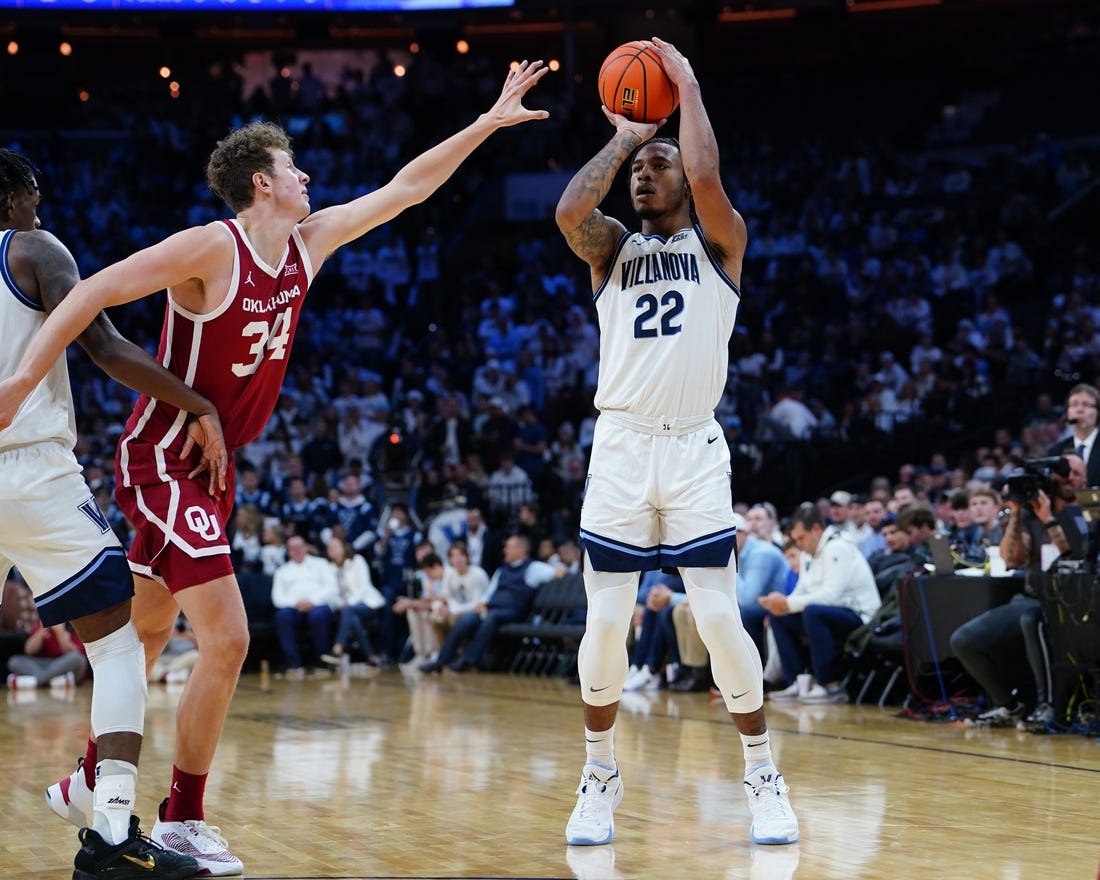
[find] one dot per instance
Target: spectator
(984, 508)
(249, 491)
(874, 514)
(482, 545)
(761, 519)
(359, 603)
(532, 444)
(838, 512)
(896, 560)
(354, 513)
(301, 514)
(52, 655)
(509, 488)
(1082, 413)
(396, 551)
(792, 415)
(836, 593)
(448, 438)
(421, 611)
(304, 593)
(529, 524)
(273, 548)
(919, 522)
(509, 599)
(246, 544)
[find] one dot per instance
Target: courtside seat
(550, 636)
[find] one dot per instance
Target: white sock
(116, 782)
(758, 751)
(599, 746)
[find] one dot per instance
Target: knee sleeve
(735, 662)
(601, 660)
(119, 688)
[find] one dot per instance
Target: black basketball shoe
(136, 857)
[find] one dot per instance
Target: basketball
(633, 83)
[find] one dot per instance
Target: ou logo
(201, 523)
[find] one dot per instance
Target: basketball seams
(610, 63)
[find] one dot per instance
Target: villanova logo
(91, 510)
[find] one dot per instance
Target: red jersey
(236, 356)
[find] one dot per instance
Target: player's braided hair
(16, 173)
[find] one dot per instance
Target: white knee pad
(119, 691)
(602, 660)
(734, 659)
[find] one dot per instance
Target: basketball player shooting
(235, 292)
(659, 484)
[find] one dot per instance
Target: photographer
(1003, 649)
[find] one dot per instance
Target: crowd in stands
(913, 311)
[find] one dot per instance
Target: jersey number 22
(673, 303)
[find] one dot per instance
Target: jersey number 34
(273, 337)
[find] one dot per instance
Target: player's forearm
(698, 146)
(432, 168)
(590, 186)
(128, 364)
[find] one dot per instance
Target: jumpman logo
(249, 280)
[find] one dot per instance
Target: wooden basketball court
(473, 776)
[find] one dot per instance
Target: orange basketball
(633, 83)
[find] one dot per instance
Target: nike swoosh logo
(738, 696)
(142, 863)
(597, 690)
(711, 440)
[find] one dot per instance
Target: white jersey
(47, 413)
(666, 312)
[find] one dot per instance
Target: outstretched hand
(205, 431)
(509, 109)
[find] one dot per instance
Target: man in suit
(1082, 406)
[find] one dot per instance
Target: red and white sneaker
(71, 798)
(204, 843)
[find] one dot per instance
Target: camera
(1032, 475)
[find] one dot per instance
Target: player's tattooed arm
(594, 239)
(590, 233)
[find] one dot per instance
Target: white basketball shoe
(593, 819)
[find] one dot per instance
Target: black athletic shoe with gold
(136, 857)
